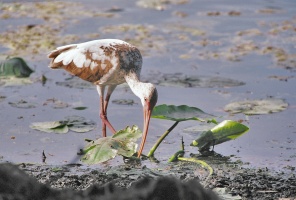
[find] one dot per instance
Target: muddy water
(229, 39)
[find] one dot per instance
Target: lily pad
(257, 107)
(73, 123)
(15, 67)
(180, 113)
(50, 127)
(223, 132)
(106, 148)
(80, 124)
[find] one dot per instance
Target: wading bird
(108, 63)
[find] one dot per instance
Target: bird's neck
(134, 83)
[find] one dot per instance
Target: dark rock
(16, 184)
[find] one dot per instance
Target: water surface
(227, 39)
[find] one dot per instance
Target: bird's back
(100, 61)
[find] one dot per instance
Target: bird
(107, 63)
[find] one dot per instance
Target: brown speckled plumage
(126, 58)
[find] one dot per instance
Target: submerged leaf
(2, 98)
(180, 113)
(76, 82)
(223, 132)
(182, 80)
(16, 67)
(56, 103)
(103, 149)
(22, 104)
(80, 124)
(257, 107)
(82, 128)
(124, 101)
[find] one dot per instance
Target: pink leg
(103, 108)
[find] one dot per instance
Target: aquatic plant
(123, 142)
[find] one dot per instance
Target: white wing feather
(77, 54)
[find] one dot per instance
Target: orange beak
(147, 110)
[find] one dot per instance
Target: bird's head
(149, 96)
(149, 99)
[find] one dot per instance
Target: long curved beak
(147, 110)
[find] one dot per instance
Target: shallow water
(193, 38)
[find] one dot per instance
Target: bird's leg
(110, 90)
(103, 108)
(101, 90)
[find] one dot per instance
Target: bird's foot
(106, 122)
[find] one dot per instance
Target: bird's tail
(58, 63)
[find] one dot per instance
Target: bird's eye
(145, 99)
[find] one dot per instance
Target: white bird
(108, 63)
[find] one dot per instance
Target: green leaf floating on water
(223, 132)
(80, 108)
(73, 123)
(50, 127)
(16, 67)
(257, 107)
(180, 113)
(177, 114)
(122, 143)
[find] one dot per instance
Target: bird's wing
(61, 53)
(89, 61)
